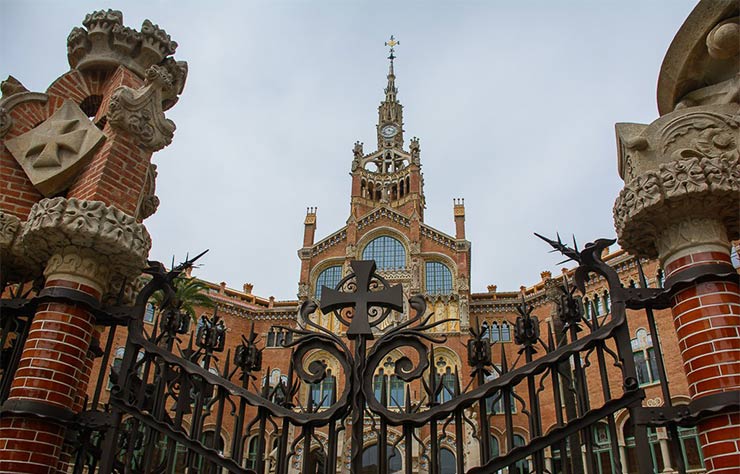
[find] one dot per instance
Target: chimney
(492, 288)
(248, 288)
(272, 302)
(546, 275)
(223, 287)
(459, 209)
(309, 231)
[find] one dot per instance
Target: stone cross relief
(56, 151)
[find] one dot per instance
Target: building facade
(386, 224)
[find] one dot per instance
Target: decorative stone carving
(149, 201)
(106, 44)
(304, 291)
(53, 154)
(140, 112)
(415, 248)
(701, 66)
(11, 86)
(358, 154)
(415, 150)
(683, 166)
(462, 283)
(67, 234)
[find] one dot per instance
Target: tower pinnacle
(390, 90)
(390, 112)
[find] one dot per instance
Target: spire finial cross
(392, 43)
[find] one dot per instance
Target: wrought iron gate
(175, 389)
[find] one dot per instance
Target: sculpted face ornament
(53, 153)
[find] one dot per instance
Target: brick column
(51, 366)
(707, 320)
(85, 245)
(680, 204)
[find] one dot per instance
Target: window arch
(388, 253)
(329, 277)
(495, 334)
(322, 393)
(522, 466)
(370, 459)
(394, 386)
(447, 464)
(645, 358)
(607, 302)
(438, 278)
(659, 278)
(505, 332)
(587, 309)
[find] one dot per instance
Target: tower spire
(390, 90)
(390, 112)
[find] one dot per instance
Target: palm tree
(189, 294)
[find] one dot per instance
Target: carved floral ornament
(78, 236)
(683, 165)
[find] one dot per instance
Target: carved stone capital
(105, 44)
(682, 167)
(140, 112)
(84, 238)
(690, 236)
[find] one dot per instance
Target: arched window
(322, 392)
(645, 358)
(447, 463)
(208, 438)
(251, 459)
(316, 461)
(395, 387)
(631, 452)
(278, 336)
(388, 253)
(493, 444)
(659, 278)
(495, 332)
(115, 366)
(505, 332)
(149, 313)
(690, 450)
(607, 302)
(485, 331)
(438, 278)
(370, 459)
(448, 386)
(495, 403)
(597, 305)
(329, 278)
(587, 309)
(603, 455)
(521, 467)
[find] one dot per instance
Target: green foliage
(190, 293)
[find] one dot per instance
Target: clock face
(388, 131)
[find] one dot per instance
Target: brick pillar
(707, 320)
(680, 204)
(52, 368)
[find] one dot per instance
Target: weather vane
(392, 43)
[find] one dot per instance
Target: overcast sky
(514, 103)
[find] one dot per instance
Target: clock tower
(390, 176)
